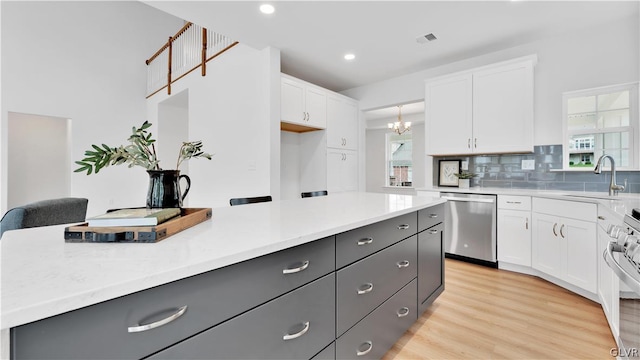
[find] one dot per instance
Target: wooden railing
(190, 48)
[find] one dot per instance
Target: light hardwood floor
(487, 313)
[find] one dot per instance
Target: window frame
(633, 128)
(387, 158)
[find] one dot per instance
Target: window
(399, 160)
(601, 121)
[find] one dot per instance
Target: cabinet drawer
(297, 325)
(430, 217)
(358, 243)
(366, 340)
(569, 209)
(328, 353)
(366, 284)
(510, 202)
(209, 298)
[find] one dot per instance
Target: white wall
(82, 61)
(607, 54)
(39, 164)
(229, 111)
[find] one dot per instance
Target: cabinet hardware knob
(298, 334)
(365, 241)
(562, 234)
(555, 225)
(305, 264)
(433, 216)
(402, 264)
(365, 288)
(369, 346)
(402, 312)
(403, 227)
(433, 231)
(153, 325)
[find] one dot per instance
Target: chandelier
(400, 127)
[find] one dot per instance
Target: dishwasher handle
(489, 201)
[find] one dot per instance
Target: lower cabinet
(342, 170)
(295, 326)
(563, 246)
(366, 340)
(430, 265)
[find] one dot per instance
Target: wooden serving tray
(137, 234)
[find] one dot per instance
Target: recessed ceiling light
(267, 9)
(349, 56)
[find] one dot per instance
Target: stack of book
(134, 217)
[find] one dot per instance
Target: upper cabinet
(486, 110)
(303, 105)
(342, 123)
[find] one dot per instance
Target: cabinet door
(514, 237)
(503, 109)
(350, 171)
(448, 115)
(292, 108)
(342, 123)
(342, 171)
(608, 284)
(547, 245)
(316, 107)
(430, 266)
(581, 257)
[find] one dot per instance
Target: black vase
(164, 189)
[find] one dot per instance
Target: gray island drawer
(101, 331)
(304, 315)
(366, 284)
(355, 244)
(430, 216)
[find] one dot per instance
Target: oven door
(629, 303)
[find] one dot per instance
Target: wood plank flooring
(487, 313)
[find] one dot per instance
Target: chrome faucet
(613, 187)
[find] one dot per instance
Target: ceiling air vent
(426, 38)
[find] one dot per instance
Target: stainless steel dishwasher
(470, 230)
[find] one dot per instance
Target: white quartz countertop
(42, 275)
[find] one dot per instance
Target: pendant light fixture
(400, 127)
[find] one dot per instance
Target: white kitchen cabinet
(514, 230)
(342, 123)
(485, 110)
(342, 170)
(303, 106)
(564, 243)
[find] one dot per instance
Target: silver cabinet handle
(305, 264)
(600, 217)
(403, 227)
(368, 287)
(433, 216)
(365, 352)
(555, 225)
(433, 231)
(402, 312)
(304, 116)
(526, 224)
(298, 334)
(402, 264)
(308, 116)
(153, 325)
(469, 143)
(514, 202)
(561, 233)
(365, 241)
(475, 143)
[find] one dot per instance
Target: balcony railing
(190, 48)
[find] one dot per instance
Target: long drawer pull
(403, 227)
(433, 231)
(369, 345)
(368, 287)
(514, 202)
(402, 264)
(298, 334)
(305, 264)
(402, 312)
(365, 241)
(153, 325)
(433, 216)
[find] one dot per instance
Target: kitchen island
(74, 292)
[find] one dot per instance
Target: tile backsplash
(506, 171)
